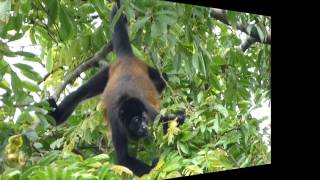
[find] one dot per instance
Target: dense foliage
(211, 75)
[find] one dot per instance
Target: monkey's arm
(165, 119)
(91, 88)
(152, 114)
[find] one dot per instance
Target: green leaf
(87, 176)
(183, 148)
(29, 171)
(246, 162)
(42, 34)
(52, 172)
(189, 68)
(23, 66)
(215, 82)
(186, 136)
(154, 30)
(57, 143)
(177, 62)
(25, 6)
(101, 157)
(17, 22)
(53, 9)
(50, 157)
(195, 62)
(26, 54)
(67, 174)
(104, 172)
(200, 97)
(38, 145)
(141, 22)
(25, 99)
(31, 75)
(87, 8)
(137, 52)
(229, 94)
(170, 20)
(229, 138)
(40, 174)
(203, 67)
(173, 174)
(216, 125)
(244, 93)
(66, 23)
(5, 7)
(99, 38)
(202, 127)
(258, 97)
(32, 35)
(221, 109)
(49, 61)
(16, 36)
(16, 84)
(11, 174)
(34, 59)
(158, 28)
(171, 167)
(31, 135)
(5, 51)
(154, 57)
(218, 60)
(166, 12)
(25, 117)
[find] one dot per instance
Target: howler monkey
(130, 96)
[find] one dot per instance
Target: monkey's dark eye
(135, 118)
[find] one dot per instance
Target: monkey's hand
(181, 117)
(54, 107)
(52, 102)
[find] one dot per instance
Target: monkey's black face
(137, 127)
(132, 114)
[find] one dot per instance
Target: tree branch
(90, 62)
(247, 43)
(237, 128)
(36, 149)
(220, 15)
(253, 36)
